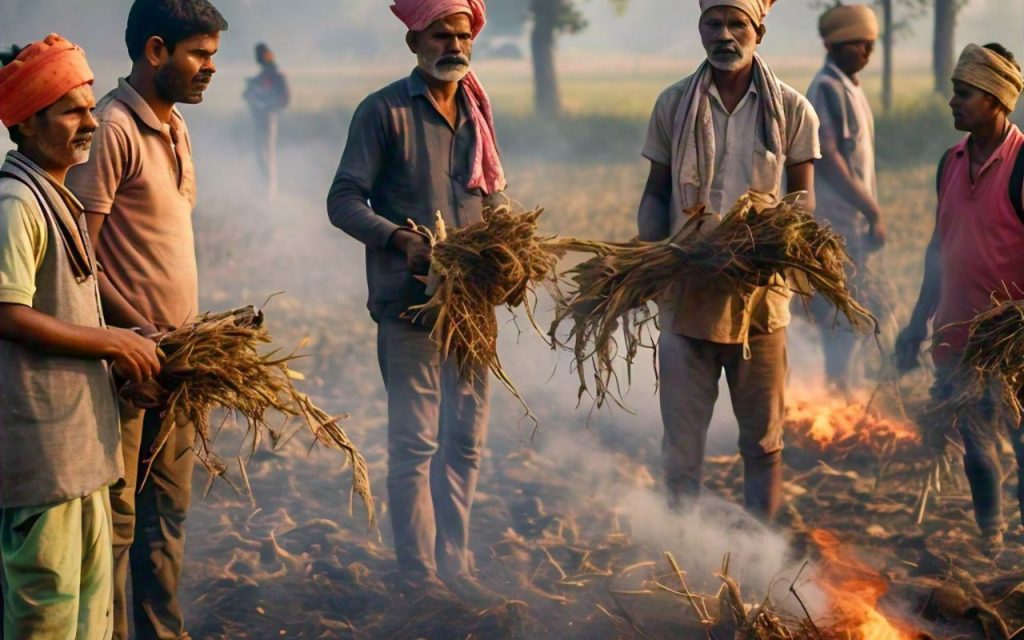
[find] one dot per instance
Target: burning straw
(497, 261)
(751, 247)
(216, 362)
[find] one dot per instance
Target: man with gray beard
(424, 144)
(730, 128)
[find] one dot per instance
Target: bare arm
(654, 215)
(834, 168)
(908, 343)
(134, 356)
(118, 311)
(800, 177)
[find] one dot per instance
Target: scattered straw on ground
(215, 362)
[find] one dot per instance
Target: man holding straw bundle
(728, 128)
(139, 190)
(976, 251)
(421, 145)
(845, 186)
(58, 412)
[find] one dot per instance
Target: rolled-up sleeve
(364, 156)
(658, 144)
(22, 247)
(803, 144)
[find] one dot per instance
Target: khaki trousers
(149, 527)
(57, 570)
(690, 370)
(437, 424)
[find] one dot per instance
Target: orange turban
(756, 9)
(42, 73)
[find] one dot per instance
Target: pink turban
(42, 73)
(487, 173)
(756, 9)
(420, 14)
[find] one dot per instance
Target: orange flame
(828, 419)
(854, 589)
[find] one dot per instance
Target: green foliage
(510, 16)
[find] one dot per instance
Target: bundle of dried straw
(987, 382)
(497, 261)
(215, 362)
(751, 247)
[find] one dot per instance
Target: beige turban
(848, 22)
(991, 72)
(756, 9)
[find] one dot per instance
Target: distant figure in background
(976, 250)
(267, 95)
(844, 184)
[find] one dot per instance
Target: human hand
(908, 347)
(416, 248)
(135, 357)
(877, 234)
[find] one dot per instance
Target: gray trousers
(690, 370)
(437, 425)
(149, 528)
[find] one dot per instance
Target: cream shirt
(711, 309)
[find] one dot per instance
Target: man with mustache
(975, 253)
(424, 144)
(138, 189)
(730, 128)
(58, 411)
(844, 183)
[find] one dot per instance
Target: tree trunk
(887, 61)
(546, 98)
(943, 43)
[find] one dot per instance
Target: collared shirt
(734, 148)
(712, 309)
(847, 120)
(140, 175)
(403, 161)
(981, 241)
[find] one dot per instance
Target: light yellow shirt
(23, 239)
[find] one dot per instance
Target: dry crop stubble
(752, 245)
(216, 362)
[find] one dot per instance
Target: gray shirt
(403, 161)
(846, 120)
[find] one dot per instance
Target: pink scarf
(487, 173)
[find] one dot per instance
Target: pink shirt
(981, 241)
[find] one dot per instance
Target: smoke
(700, 538)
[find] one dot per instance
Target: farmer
(423, 144)
(267, 95)
(728, 128)
(844, 183)
(975, 251)
(138, 189)
(58, 412)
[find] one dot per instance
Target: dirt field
(569, 523)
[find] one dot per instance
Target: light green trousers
(58, 570)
